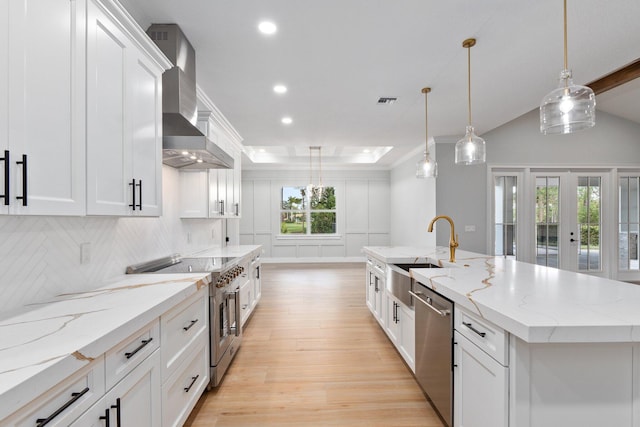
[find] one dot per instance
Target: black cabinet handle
(468, 325)
(132, 184)
(193, 322)
(74, 397)
(7, 177)
(258, 272)
(105, 417)
(193, 381)
(117, 408)
(221, 207)
(140, 193)
(237, 209)
(140, 347)
(23, 162)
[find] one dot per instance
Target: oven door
(225, 322)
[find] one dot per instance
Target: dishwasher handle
(419, 295)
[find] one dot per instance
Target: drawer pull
(140, 347)
(193, 322)
(105, 417)
(468, 325)
(74, 397)
(193, 381)
(117, 408)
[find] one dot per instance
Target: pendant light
(315, 190)
(570, 107)
(470, 150)
(427, 167)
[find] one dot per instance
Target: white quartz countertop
(41, 344)
(239, 251)
(535, 303)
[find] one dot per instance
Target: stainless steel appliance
(225, 326)
(400, 281)
(184, 146)
(434, 348)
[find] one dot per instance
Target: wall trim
(311, 260)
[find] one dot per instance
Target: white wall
(40, 256)
(462, 190)
(362, 201)
(413, 204)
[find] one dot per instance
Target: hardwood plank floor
(313, 355)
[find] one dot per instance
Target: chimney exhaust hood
(183, 145)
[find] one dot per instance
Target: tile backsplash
(41, 256)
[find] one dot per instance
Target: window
(628, 222)
(505, 199)
(304, 212)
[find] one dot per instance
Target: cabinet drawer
(121, 359)
(181, 326)
(183, 389)
(68, 400)
(484, 334)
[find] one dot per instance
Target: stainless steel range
(225, 329)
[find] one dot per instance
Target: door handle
(7, 177)
(23, 162)
(140, 193)
(133, 194)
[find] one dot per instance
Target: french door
(569, 210)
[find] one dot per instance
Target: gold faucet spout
(453, 237)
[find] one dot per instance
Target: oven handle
(418, 295)
(236, 303)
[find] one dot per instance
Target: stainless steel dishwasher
(434, 348)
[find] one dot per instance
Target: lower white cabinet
(134, 401)
(246, 300)
(66, 401)
(481, 387)
(181, 391)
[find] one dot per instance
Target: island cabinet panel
(480, 387)
(42, 125)
(581, 384)
(124, 120)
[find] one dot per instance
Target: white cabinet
(480, 387)
(375, 293)
(42, 142)
(134, 401)
(400, 328)
(256, 279)
(246, 298)
(124, 121)
(66, 401)
(251, 288)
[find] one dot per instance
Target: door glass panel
(628, 222)
(505, 199)
(589, 223)
(547, 220)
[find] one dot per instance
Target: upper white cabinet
(213, 193)
(124, 119)
(42, 122)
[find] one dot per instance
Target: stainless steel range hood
(183, 145)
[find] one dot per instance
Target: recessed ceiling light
(262, 150)
(280, 89)
(267, 27)
(366, 150)
(287, 120)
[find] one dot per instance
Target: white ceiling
(337, 57)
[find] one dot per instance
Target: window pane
(323, 222)
(293, 198)
(293, 222)
(547, 218)
(505, 196)
(589, 224)
(325, 199)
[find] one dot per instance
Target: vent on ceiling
(387, 100)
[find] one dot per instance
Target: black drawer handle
(140, 191)
(193, 322)
(74, 397)
(105, 417)
(140, 347)
(24, 180)
(7, 177)
(193, 381)
(132, 184)
(468, 325)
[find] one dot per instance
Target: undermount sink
(406, 267)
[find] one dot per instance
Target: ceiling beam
(616, 78)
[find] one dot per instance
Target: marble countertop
(42, 344)
(535, 303)
(238, 251)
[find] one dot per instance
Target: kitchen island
(535, 346)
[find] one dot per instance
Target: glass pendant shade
(470, 150)
(568, 108)
(427, 167)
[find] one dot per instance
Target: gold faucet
(453, 238)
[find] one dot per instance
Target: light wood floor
(313, 355)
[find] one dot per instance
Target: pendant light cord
(566, 61)
(469, 79)
(426, 121)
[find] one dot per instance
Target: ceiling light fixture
(427, 167)
(267, 27)
(470, 150)
(287, 120)
(568, 108)
(280, 89)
